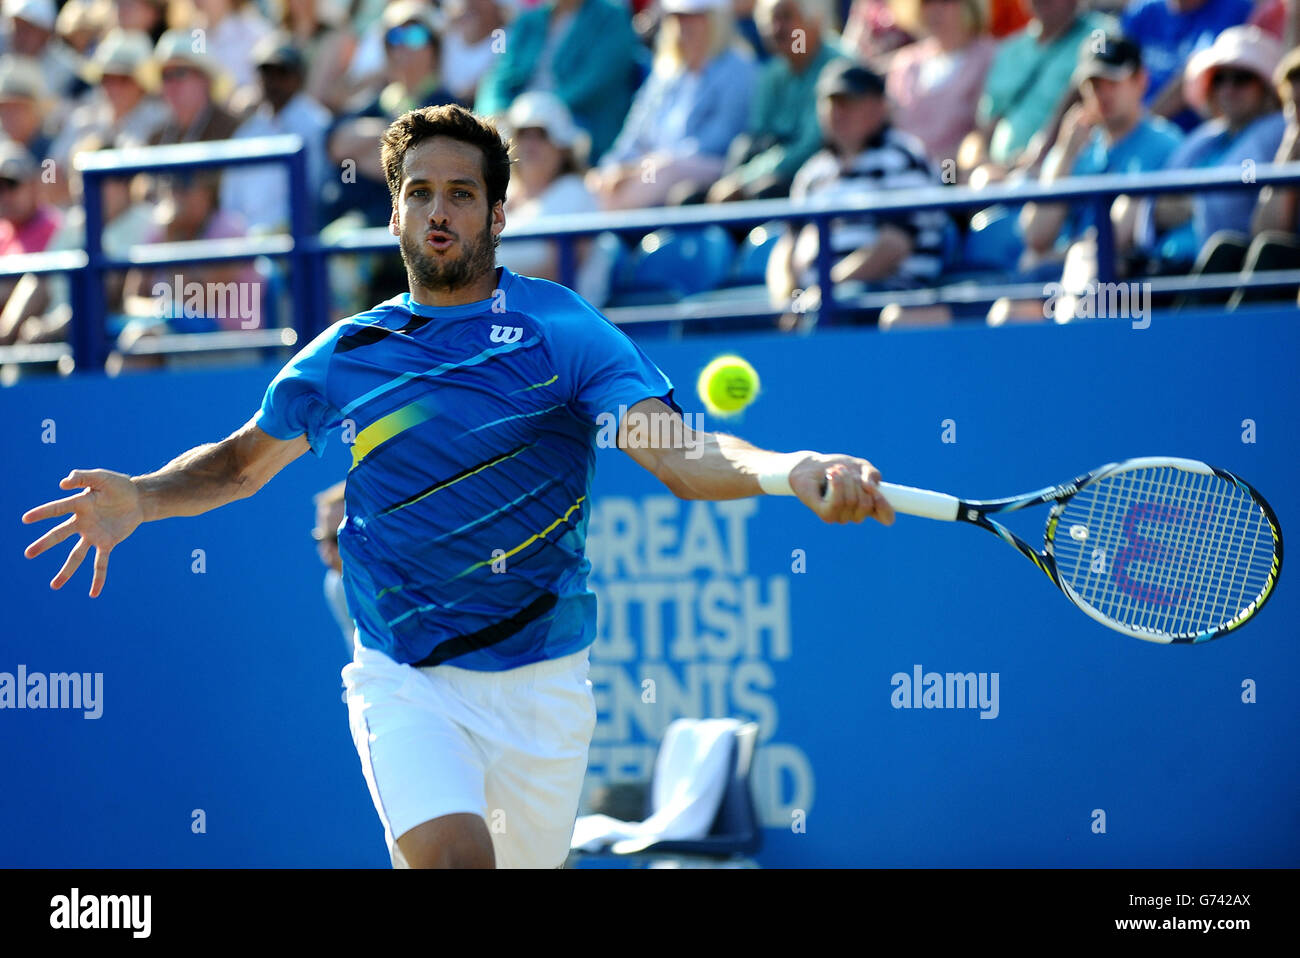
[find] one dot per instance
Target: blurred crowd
(615, 105)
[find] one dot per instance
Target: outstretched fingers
(51, 538)
(75, 557)
(49, 510)
(101, 571)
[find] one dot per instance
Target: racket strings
(1165, 549)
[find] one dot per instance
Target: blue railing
(307, 254)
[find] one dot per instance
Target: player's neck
(481, 289)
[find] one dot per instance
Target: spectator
(39, 309)
(413, 45)
(121, 109)
(583, 51)
(31, 34)
(1109, 131)
(1233, 80)
(79, 24)
(550, 164)
(195, 89)
(320, 29)
(935, 83)
(475, 38)
(1029, 75)
(25, 105)
(864, 152)
(1274, 224)
(232, 28)
(329, 516)
(783, 131)
(188, 209)
(26, 222)
(1170, 31)
(147, 16)
(872, 33)
(693, 104)
(550, 153)
(260, 194)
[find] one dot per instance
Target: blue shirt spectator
(1147, 147)
(1170, 31)
(685, 116)
(583, 51)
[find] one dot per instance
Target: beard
(442, 273)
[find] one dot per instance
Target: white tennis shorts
(509, 746)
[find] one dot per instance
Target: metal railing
(308, 255)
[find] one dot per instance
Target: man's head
(23, 101)
(447, 172)
(280, 68)
(1111, 80)
(412, 42)
(851, 106)
(33, 25)
(18, 171)
(1233, 77)
(1286, 80)
(120, 67)
(790, 27)
(191, 80)
(329, 514)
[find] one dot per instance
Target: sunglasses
(412, 35)
(1232, 78)
(171, 74)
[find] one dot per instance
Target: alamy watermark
(231, 301)
(1130, 301)
(57, 690)
(946, 690)
(653, 430)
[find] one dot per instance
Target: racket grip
(920, 502)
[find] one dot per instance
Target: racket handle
(920, 502)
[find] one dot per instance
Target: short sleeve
(295, 403)
(603, 367)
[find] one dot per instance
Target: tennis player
(471, 404)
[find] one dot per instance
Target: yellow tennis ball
(727, 385)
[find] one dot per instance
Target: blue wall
(221, 689)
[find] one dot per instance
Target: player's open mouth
(439, 240)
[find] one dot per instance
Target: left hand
(841, 489)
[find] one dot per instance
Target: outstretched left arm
(707, 465)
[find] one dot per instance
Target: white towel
(690, 776)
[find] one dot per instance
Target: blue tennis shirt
(472, 430)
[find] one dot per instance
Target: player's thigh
(459, 840)
(534, 783)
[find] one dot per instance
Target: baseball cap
(1116, 58)
(16, 162)
(846, 78)
(413, 11)
(277, 49)
(21, 79)
(39, 12)
(121, 53)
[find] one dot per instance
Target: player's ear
(394, 222)
(498, 218)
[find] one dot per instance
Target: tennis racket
(1168, 550)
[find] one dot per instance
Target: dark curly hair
(454, 122)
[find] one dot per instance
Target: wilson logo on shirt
(506, 334)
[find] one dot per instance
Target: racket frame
(935, 505)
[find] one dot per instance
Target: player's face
(448, 234)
